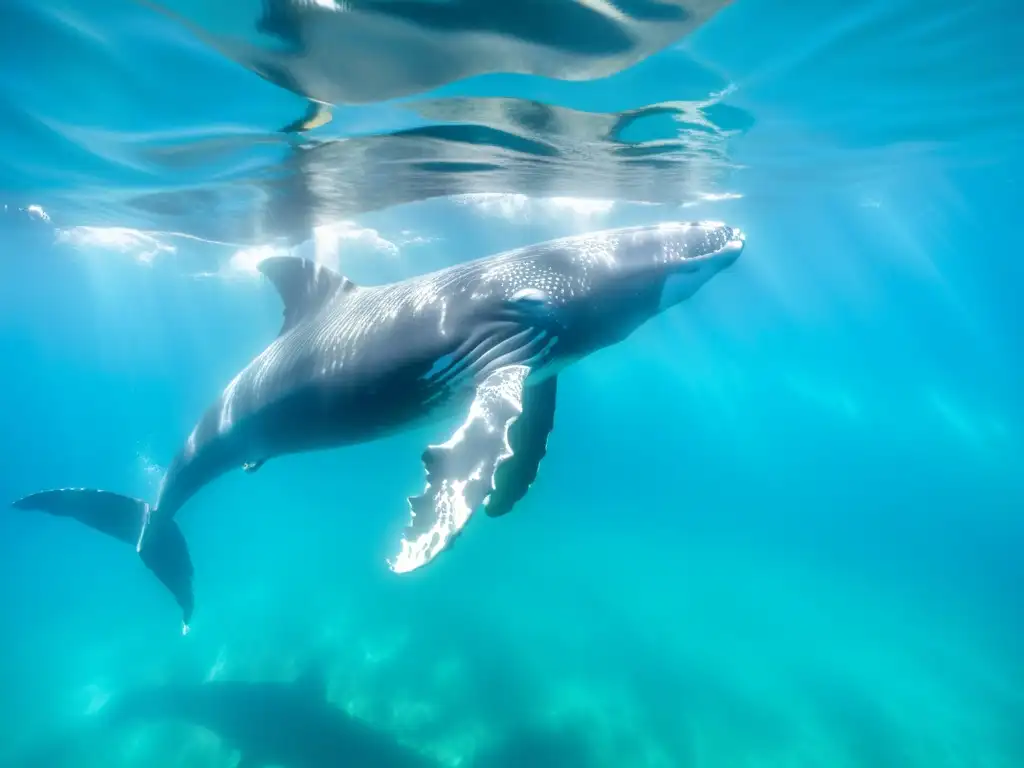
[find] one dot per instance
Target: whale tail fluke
(163, 548)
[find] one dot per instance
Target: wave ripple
(341, 108)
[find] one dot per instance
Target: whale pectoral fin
(252, 466)
(461, 471)
(528, 437)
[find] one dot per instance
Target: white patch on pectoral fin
(460, 472)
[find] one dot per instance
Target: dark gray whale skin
(484, 339)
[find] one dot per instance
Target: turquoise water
(780, 526)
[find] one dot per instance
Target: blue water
(780, 526)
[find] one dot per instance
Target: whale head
(550, 304)
(685, 256)
(607, 284)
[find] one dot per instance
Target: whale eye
(532, 303)
(530, 296)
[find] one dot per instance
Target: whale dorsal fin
(312, 681)
(304, 286)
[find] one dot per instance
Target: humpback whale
(483, 341)
(291, 725)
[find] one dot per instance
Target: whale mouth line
(732, 247)
(714, 239)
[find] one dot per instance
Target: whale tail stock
(162, 547)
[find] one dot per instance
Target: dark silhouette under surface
(286, 725)
(272, 724)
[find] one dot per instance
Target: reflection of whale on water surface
(362, 51)
(664, 153)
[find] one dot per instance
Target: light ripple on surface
(123, 149)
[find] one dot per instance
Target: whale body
(485, 339)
